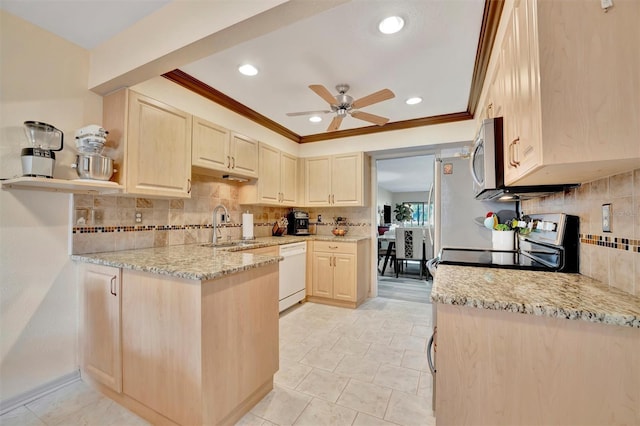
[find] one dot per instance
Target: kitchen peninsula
(182, 334)
(530, 347)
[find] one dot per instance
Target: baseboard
(40, 391)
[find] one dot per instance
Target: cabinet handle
(333, 247)
(512, 148)
(515, 142)
(233, 159)
(188, 186)
(228, 162)
(432, 367)
(333, 199)
(113, 285)
(329, 199)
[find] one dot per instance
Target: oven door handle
(432, 367)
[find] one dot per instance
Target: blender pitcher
(39, 160)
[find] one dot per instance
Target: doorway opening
(404, 222)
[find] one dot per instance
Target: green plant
(403, 212)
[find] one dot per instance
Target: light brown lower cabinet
(101, 357)
(505, 368)
(195, 352)
(339, 273)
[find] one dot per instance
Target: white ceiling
(433, 57)
(406, 174)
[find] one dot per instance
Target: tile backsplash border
(107, 223)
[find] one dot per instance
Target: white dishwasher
(292, 274)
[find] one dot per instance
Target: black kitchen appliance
(549, 243)
(298, 223)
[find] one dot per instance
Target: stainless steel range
(549, 244)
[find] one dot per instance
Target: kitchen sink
(226, 244)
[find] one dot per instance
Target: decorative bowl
(339, 232)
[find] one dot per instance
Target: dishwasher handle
(293, 249)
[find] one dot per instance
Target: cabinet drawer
(337, 247)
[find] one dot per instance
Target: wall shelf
(61, 185)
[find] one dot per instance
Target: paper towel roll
(247, 226)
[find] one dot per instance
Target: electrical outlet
(606, 217)
(606, 4)
(138, 217)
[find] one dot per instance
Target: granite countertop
(553, 294)
(197, 261)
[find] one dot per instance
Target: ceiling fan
(343, 104)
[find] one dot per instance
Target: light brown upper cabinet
(218, 151)
(277, 183)
(151, 142)
(337, 180)
(566, 81)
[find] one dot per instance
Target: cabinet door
(244, 155)
(346, 179)
(318, 181)
(101, 355)
(269, 180)
(323, 271)
(509, 67)
(344, 277)
(528, 147)
(288, 179)
(159, 148)
(210, 145)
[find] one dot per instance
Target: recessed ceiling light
(414, 100)
(315, 119)
(391, 25)
(248, 69)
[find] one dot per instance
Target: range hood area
(511, 193)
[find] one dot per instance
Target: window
(422, 212)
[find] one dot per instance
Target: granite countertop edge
(561, 295)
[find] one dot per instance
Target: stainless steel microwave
(487, 168)
(487, 157)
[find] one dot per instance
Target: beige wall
(613, 258)
(42, 77)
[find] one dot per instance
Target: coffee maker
(40, 159)
(298, 223)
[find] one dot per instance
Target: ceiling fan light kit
(343, 105)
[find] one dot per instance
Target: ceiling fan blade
(295, 114)
(335, 124)
(323, 93)
(374, 98)
(371, 118)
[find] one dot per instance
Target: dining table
(390, 237)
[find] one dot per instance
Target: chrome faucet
(215, 222)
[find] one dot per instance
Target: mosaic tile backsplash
(108, 223)
(610, 257)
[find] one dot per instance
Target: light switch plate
(606, 217)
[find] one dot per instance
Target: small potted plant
(403, 212)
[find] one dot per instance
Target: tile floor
(338, 366)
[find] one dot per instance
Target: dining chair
(409, 247)
(386, 252)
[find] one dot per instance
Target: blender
(40, 159)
